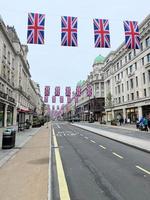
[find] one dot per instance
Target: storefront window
(1, 115)
(9, 115)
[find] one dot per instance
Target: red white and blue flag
(89, 90)
(57, 91)
(46, 99)
(68, 100)
(78, 91)
(35, 33)
(68, 91)
(61, 99)
(53, 99)
(101, 33)
(132, 36)
(47, 90)
(69, 31)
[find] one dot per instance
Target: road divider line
(121, 157)
(86, 138)
(142, 169)
(92, 141)
(102, 146)
(63, 188)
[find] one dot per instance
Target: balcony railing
(11, 99)
(3, 95)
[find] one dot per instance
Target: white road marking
(93, 141)
(64, 134)
(86, 138)
(58, 126)
(144, 170)
(102, 147)
(117, 155)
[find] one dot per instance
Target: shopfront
(9, 115)
(118, 114)
(146, 110)
(2, 107)
(132, 114)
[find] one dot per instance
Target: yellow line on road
(144, 170)
(117, 155)
(63, 188)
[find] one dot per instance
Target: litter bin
(9, 137)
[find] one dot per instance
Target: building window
(125, 59)
(132, 96)
(137, 94)
(128, 97)
(148, 58)
(130, 68)
(4, 50)
(122, 98)
(122, 87)
(141, 46)
(131, 83)
(143, 61)
(8, 57)
(117, 66)
(120, 63)
(145, 93)
(144, 81)
(119, 100)
(149, 75)
(135, 65)
(121, 74)
(118, 89)
(129, 56)
(134, 52)
(127, 71)
(127, 85)
(136, 78)
(148, 42)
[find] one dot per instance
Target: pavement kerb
(136, 147)
(14, 151)
(50, 167)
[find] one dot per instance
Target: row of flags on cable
(67, 94)
(69, 31)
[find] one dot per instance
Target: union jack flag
(101, 33)
(132, 36)
(35, 33)
(61, 99)
(78, 91)
(46, 99)
(47, 90)
(57, 91)
(89, 90)
(53, 99)
(69, 31)
(68, 91)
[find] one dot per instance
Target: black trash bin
(9, 137)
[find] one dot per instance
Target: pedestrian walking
(145, 123)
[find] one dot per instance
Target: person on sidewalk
(145, 123)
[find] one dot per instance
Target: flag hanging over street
(89, 90)
(53, 99)
(132, 36)
(68, 91)
(69, 31)
(46, 99)
(61, 99)
(101, 33)
(35, 33)
(47, 90)
(57, 91)
(68, 100)
(78, 91)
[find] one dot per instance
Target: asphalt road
(97, 168)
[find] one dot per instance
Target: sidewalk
(135, 142)
(25, 175)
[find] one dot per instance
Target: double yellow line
(63, 188)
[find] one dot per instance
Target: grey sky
(54, 65)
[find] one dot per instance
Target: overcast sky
(51, 64)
